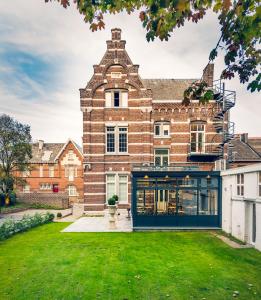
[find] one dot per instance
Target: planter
(112, 211)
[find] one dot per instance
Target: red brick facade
(139, 114)
(55, 168)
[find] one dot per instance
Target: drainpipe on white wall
(231, 219)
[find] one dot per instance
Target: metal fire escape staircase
(224, 128)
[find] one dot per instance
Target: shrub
(12, 197)
(59, 215)
(111, 201)
(11, 227)
(2, 199)
(115, 197)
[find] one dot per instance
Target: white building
(241, 203)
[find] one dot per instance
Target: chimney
(40, 144)
(208, 74)
(244, 137)
(116, 34)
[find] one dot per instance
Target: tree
(15, 151)
(240, 28)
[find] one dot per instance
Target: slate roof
(255, 143)
(244, 152)
(47, 154)
(167, 89)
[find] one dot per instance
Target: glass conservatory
(183, 199)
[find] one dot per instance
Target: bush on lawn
(11, 227)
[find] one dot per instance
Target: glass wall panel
(187, 202)
(208, 202)
(209, 182)
(145, 202)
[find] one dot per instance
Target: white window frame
(161, 129)
(70, 155)
(259, 184)
(197, 132)
(45, 186)
(72, 190)
(26, 188)
(41, 171)
(117, 133)
(51, 171)
(117, 185)
(123, 98)
(161, 156)
(240, 184)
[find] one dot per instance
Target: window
(197, 138)
(26, 188)
(110, 185)
(117, 140)
(259, 184)
(117, 184)
(122, 139)
(72, 190)
(161, 129)
(240, 184)
(161, 157)
(110, 139)
(123, 188)
(26, 173)
(70, 155)
(51, 171)
(116, 98)
(41, 171)
(45, 186)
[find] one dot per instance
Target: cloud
(47, 54)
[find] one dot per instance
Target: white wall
(237, 211)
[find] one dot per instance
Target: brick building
(55, 168)
(136, 131)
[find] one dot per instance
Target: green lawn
(46, 264)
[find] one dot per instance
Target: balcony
(204, 151)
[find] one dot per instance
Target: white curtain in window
(110, 186)
(108, 99)
(124, 99)
(123, 188)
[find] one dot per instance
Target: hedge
(11, 227)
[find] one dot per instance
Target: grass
(47, 264)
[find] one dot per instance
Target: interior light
(146, 177)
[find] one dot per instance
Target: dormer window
(116, 98)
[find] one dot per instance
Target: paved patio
(101, 224)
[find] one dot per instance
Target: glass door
(162, 200)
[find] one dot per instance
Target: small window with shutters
(116, 99)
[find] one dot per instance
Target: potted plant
(59, 215)
(116, 198)
(112, 210)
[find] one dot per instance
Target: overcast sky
(47, 54)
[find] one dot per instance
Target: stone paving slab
(233, 244)
(100, 224)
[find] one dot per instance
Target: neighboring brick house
(244, 151)
(55, 168)
(137, 128)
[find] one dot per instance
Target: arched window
(116, 98)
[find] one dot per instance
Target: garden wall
(59, 200)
